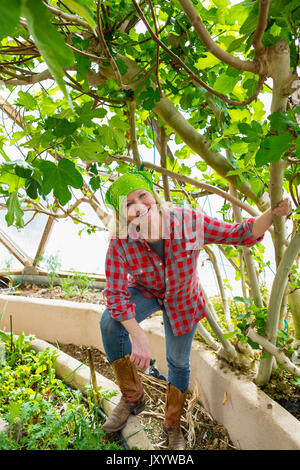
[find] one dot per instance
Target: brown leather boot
(173, 411)
(132, 400)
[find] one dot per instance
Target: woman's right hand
(140, 352)
(140, 346)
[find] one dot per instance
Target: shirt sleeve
(116, 291)
(220, 232)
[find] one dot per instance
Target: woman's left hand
(283, 208)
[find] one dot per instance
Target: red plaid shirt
(130, 262)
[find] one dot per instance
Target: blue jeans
(117, 343)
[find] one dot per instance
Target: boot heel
(139, 408)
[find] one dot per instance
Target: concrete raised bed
(254, 421)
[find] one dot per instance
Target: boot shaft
(127, 379)
(132, 400)
(174, 406)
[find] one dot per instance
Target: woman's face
(139, 207)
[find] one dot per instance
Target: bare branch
(67, 16)
(163, 161)
(35, 78)
(133, 141)
(210, 45)
(157, 47)
(261, 25)
(110, 57)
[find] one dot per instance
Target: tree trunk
(250, 267)
(277, 292)
(294, 303)
(224, 298)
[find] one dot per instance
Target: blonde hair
(118, 226)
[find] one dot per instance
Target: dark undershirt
(159, 248)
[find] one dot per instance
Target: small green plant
(83, 282)
(53, 265)
(68, 286)
(8, 264)
(250, 315)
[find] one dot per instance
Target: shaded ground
(202, 432)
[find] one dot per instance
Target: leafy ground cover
(41, 411)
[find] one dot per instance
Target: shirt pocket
(184, 258)
(143, 275)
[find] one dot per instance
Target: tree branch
(261, 26)
(157, 47)
(274, 351)
(192, 75)
(163, 161)
(210, 45)
(110, 57)
(67, 16)
(133, 141)
(30, 80)
(277, 293)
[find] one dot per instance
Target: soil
(201, 431)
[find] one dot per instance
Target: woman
(151, 265)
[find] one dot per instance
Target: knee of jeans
(178, 362)
(107, 324)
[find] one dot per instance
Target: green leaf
(236, 44)
(230, 335)
(9, 177)
(122, 66)
(82, 8)
(225, 83)
(14, 211)
(69, 172)
(298, 146)
(237, 298)
(60, 127)
(272, 148)
(249, 25)
(27, 100)
(82, 64)
(34, 188)
(59, 177)
(87, 150)
(9, 16)
(207, 62)
(87, 114)
(95, 183)
(48, 40)
(282, 121)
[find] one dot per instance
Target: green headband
(126, 183)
